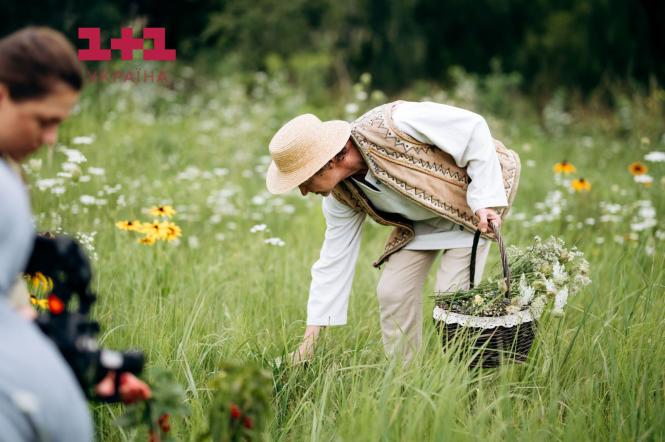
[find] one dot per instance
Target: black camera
(68, 323)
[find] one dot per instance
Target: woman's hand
(132, 389)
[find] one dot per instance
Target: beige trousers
(400, 291)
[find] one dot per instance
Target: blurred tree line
(578, 44)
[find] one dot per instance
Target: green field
(221, 292)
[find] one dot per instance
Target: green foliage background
(581, 44)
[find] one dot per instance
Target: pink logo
(125, 45)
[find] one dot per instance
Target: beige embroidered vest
(421, 172)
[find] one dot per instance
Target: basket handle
(502, 251)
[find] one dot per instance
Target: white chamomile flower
(526, 292)
(258, 228)
(274, 242)
(559, 274)
(560, 300)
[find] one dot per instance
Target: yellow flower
(165, 211)
(581, 185)
(128, 225)
(156, 229)
(147, 240)
(173, 231)
(39, 284)
(638, 168)
(564, 167)
(41, 303)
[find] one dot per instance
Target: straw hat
(302, 147)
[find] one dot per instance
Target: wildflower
(560, 300)
(129, 225)
(580, 281)
(71, 168)
(581, 185)
(147, 240)
(258, 228)
(156, 229)
(39, 283)
(538, 305)
(193, 242)
(477, 300)
(258, 200)
(274, 242)
(163, 422)
(645, 140)
(83, 140)
(550, 288)
(564, 167)
(73, 155)
(164, 211)
(559, 274)
(88, 200)
(650, 249)
(526, 292)
(235, 411)
(47, 183)
(173, 231)
(351, 108)
(40, 303)
(655, 156)
(638, 168)
(646, 180)
(35, 164)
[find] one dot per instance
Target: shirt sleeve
(16, 228)
(332, 274)
(466, 137)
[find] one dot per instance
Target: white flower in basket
(534, 279)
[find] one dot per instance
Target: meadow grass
(223, 293)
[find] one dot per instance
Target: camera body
(68, 323)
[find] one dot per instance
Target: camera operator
(40, 399)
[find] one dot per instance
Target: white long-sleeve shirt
(462, 134)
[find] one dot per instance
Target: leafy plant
(241, 402)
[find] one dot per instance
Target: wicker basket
(492, 340)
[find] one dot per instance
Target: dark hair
(336, 159)
(34, 59)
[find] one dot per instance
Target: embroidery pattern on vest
(421, 194)
(376, 120)
(459, 178)
(385, 148)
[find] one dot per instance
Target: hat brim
(334, 135)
